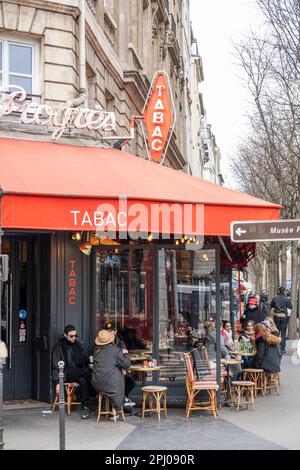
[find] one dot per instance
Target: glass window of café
(186, 302)
(124, 295)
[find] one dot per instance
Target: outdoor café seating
(193, 389)
(258, 377)
(70, 388)
(157, 394)
(107, 409)
(243, 389)
(272, 382)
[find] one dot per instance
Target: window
(187, 300)
(19, 65)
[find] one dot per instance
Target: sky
(226, 99)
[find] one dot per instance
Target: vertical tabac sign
(159, 117)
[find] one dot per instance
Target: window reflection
(124, 294)
(187, 299)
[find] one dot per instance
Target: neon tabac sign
(159, 117)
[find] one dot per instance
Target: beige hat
(104, 337)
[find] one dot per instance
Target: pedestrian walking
(253, 312)
(280, 305)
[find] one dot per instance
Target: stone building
(125, 43)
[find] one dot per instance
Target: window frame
(35, 57)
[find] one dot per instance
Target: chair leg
(99, 407)
(252, 398)
(144, 404)
(150, 404)
(165, 403)
(157, 398)
(190, 404)
(54, 403)
(212, 399)
(238, 391)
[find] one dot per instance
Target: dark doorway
(21, 318)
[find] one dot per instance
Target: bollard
(3, 356)
(61, 406)
(1, 405)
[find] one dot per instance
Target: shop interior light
(102, 240)
(76, 236)
(86, 247)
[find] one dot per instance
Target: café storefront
(81, 252)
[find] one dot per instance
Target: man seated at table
(132, 342)
(129, 381)
(70, 351)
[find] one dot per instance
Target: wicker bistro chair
(70, 388)
(108, 410)
(205, 371)
(157, 394)
(258, 377)
(243, 388)
(193, 388)
(272, 382)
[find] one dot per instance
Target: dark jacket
(107, 374)
(281, 303)
(256, 314)
(267, 355)
(62, 351)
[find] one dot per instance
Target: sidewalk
(274, 425)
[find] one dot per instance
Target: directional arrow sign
(264, 230)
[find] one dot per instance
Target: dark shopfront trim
(51, 253)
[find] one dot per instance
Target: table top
(231, 362)
(144, 368)
(136, 357)
(137, 352)
(240, 353)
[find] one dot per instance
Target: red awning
(61, 187)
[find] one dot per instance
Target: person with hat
(109, 363)
(129, 381)
(253, 312)
(280, 305)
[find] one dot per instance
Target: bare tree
(267, 163)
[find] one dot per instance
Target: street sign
(264, 231)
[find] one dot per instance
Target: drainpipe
(82, 52)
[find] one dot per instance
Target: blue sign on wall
(22, 314)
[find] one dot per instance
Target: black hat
(110, 326)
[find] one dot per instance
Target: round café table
(227, 363)
(142, 372)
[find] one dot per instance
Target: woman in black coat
(109, 365)
(267, 356)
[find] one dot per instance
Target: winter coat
(107, 373)
(281, 303)
(256, 314)
(267, 355)
(62, 351)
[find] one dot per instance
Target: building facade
(95, 53)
